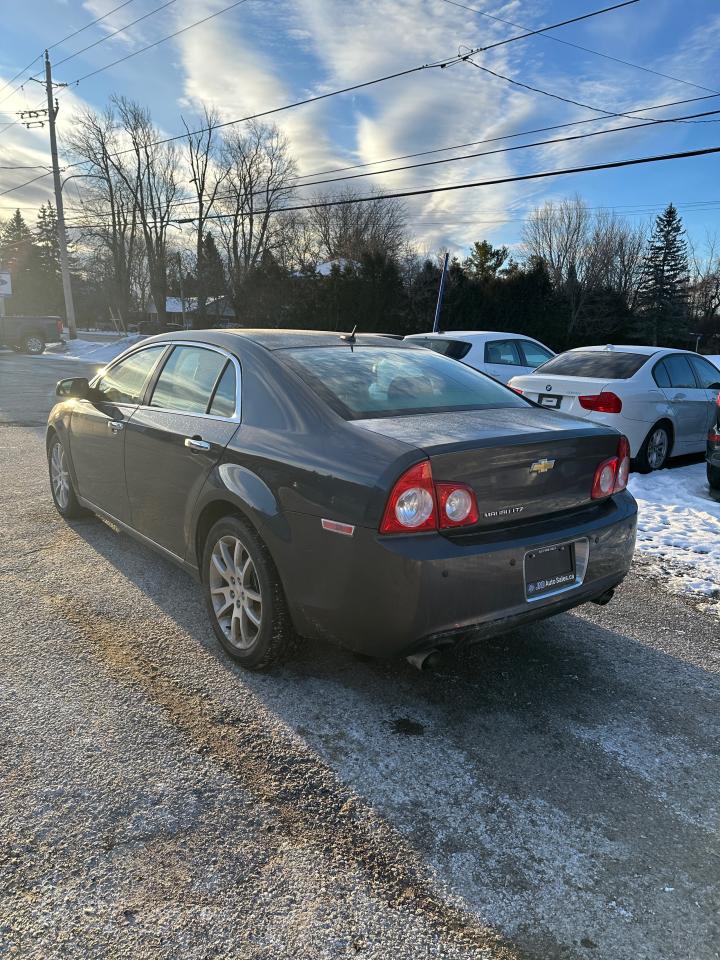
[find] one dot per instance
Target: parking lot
(552, 793)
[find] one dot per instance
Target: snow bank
(679, 530)
(92, 351)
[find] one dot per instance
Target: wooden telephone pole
(62, 239)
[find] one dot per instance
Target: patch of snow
(91, 350)
(679, 530)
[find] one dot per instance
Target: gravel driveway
(550, 794)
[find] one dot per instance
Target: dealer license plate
(553, 402)
(548, 569)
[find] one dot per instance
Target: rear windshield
(456, 349)
(367, 382)
(601, 364)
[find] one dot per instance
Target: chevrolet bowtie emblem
(542, 466)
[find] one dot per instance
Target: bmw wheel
(61, 485)
(244, 595)
(654, 452)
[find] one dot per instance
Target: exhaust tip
(425, 660)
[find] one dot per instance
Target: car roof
(278, 339)
(625, 348)
(469, 336)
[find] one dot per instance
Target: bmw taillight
(605, 402)
(612, 474)
(59, 325)
(416, 504)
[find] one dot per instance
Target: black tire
(34, 344)
(653, 455)
(713, 477)
(66, 503)
(274, 639)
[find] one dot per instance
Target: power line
(58, 43)
(611, 165)
(557, 96)
(450, 61)
(596, 53)
(158, 42)
(109, 36)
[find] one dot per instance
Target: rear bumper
(393, 595)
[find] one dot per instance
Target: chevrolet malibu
(354, 488)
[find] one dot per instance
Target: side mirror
(77, 387)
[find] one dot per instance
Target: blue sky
(266, 53)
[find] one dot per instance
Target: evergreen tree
(485, 260)
(47, 259)
(663, 299)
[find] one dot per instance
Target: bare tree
(351, 229)
(109, 215)
(585, 254)
(208, 175)
(148, 169)
(259, 168)
(705, 286)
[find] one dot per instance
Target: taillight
(416, 504)
(59, 325)
(411, 506)
(714, 436)
(612, 474)
(516, 390)
(623, 471)
(605, 402)
(457, 505)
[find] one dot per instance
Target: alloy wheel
(34, 345)
(235, 592)
(60, 476)
(657, 448)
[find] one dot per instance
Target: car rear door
(533, 355)
(503, 360)
(688, 400)
(174, 439)
(708, 377)
(97, 430)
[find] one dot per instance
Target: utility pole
(182, 292)
(441, 295)
(62, 240)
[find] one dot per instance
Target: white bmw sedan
(662, 400)
(502, 355)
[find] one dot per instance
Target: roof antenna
(350, 337)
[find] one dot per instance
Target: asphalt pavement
(550, 794)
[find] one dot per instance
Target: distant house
(216, 308)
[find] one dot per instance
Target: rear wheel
(244, 596)
(61, 486)
(655, 449)
(713, 475)
(33, 344)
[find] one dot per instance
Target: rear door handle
(116, 425)
(195, 443)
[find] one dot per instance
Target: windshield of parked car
(603, 365)
(361, 382)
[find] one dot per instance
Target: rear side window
(187, 380)
(534, 353)
(600, 364)
(223, 401)
(707, 375)
(503, 351)
(125, 381)
(679, 371)
(366, 382)
(661, 375)
(455, 349)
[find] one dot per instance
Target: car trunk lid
(561, 393)
(521, 463)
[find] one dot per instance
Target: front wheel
(61, 486)
(244, 596)
(33, 344)
(655, 449)
(713, 476)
